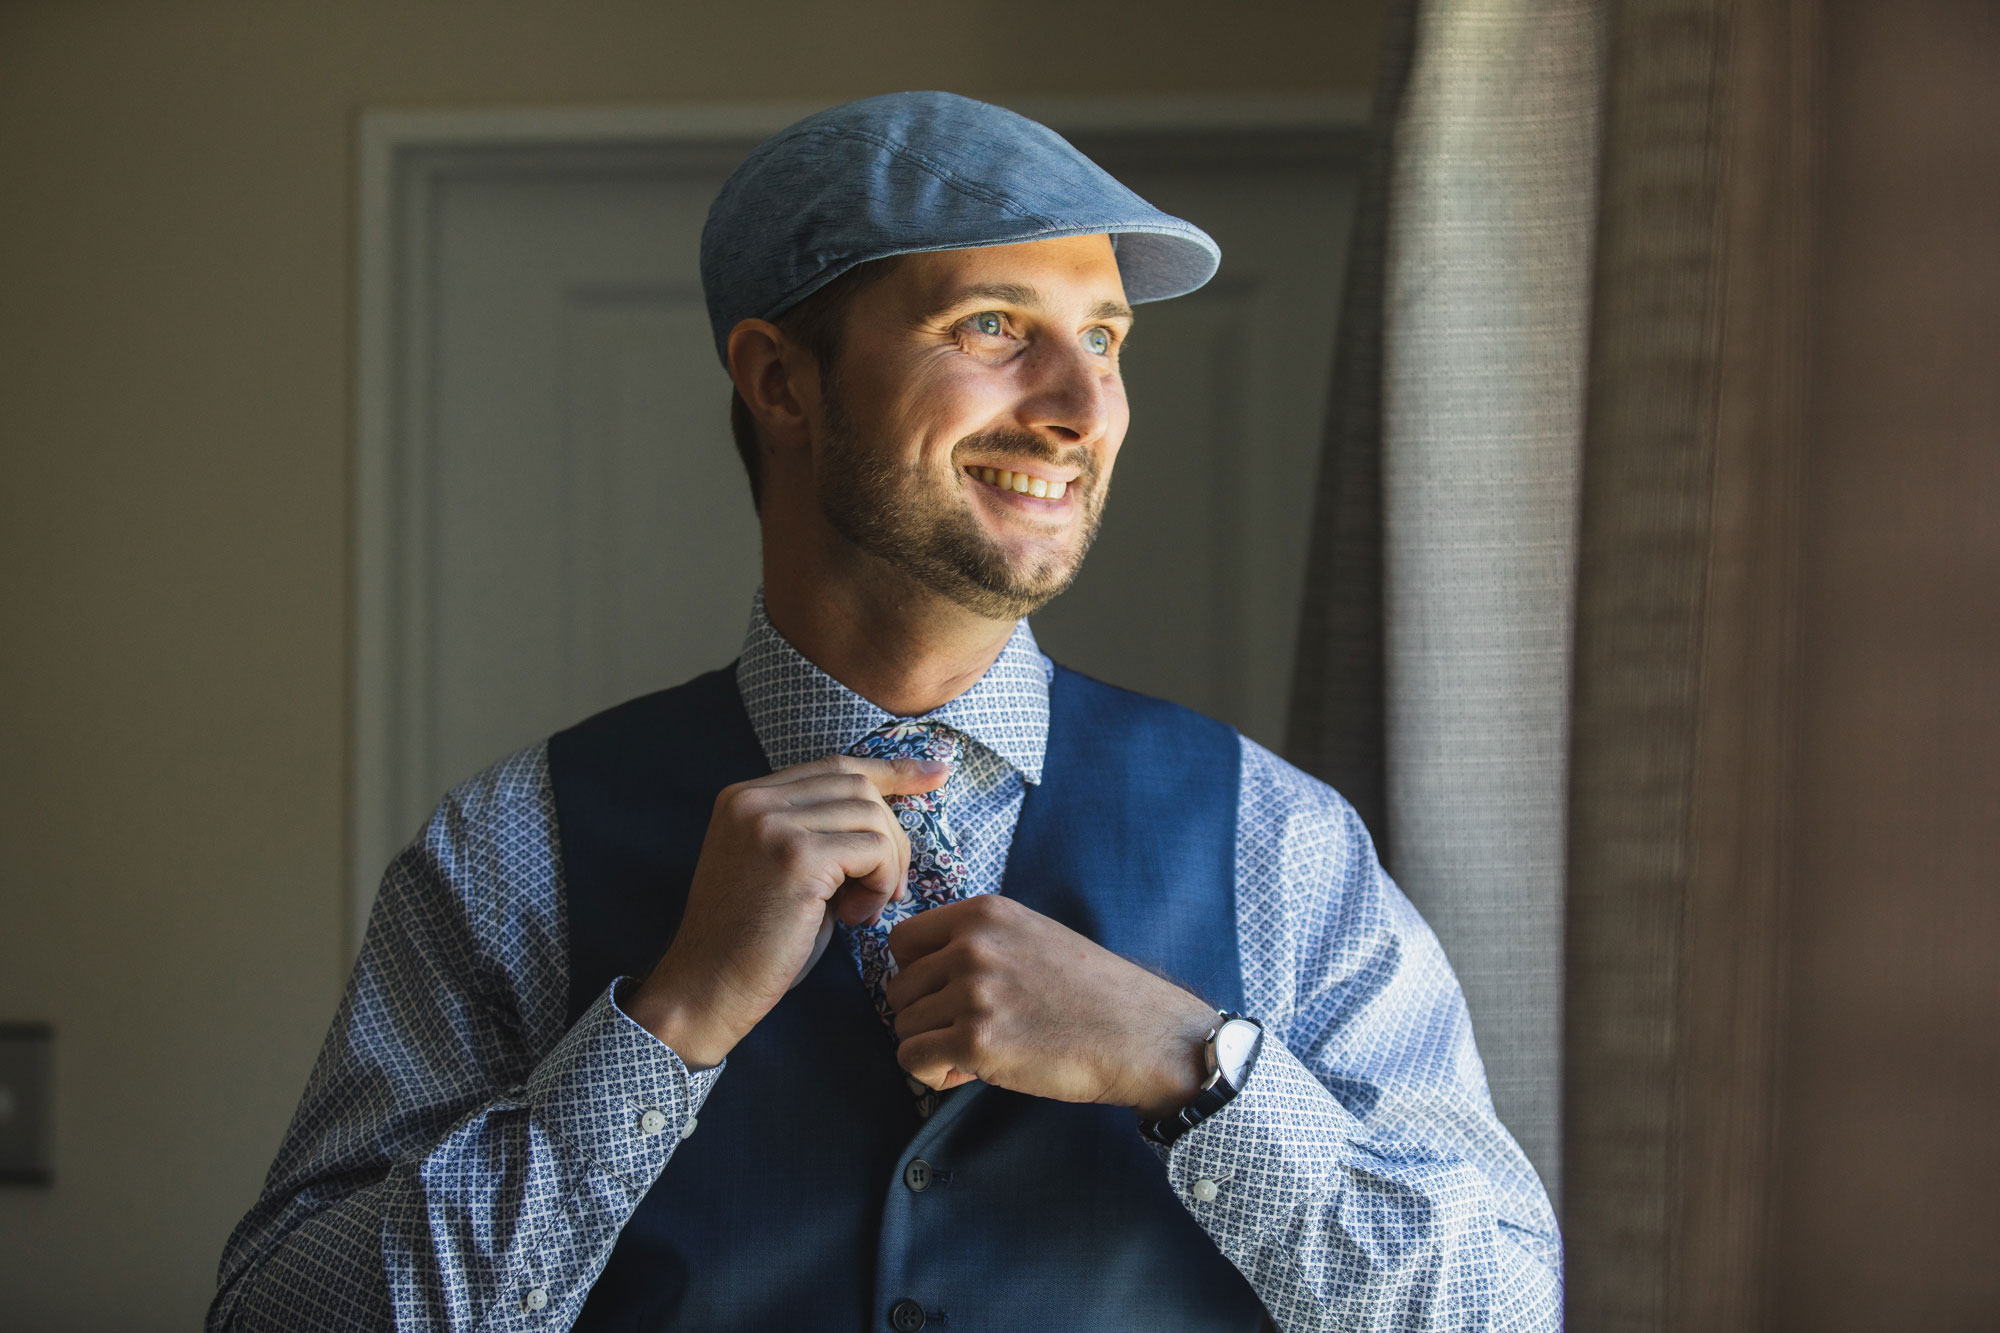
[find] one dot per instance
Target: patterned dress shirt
(465, 1158)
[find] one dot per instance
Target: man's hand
(988, 989)
(781, 853)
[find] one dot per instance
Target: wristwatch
(1233, 1044)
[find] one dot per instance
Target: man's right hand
(781, 853)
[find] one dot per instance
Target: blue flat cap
(909, 172)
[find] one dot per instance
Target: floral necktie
(936, 877)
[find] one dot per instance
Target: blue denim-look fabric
(462, 1147)
(909, 172)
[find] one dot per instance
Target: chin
(1013, 592)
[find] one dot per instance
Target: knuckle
(993, 907)
(981, 1032)
(788, 844)
(982, 996)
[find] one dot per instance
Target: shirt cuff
(1278, 1144)
(618, 1094)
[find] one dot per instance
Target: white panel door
(562, 522)
(1192, 591)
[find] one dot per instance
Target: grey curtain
(1434, 673)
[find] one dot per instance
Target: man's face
(960, 366)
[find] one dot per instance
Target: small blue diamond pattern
(460, 1145)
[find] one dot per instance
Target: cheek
(900, 410)
(947, 401)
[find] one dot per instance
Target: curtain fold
(1682, 744)
(1334, 729)
(1434, 677)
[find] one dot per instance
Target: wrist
(1231, 1057)
(680, 1023)
(1178, 1065)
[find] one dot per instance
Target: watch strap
(1215, 1094)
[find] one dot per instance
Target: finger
(928, 1058)
(844, 804)
(927, 932)
(857, 815)
(891, 777)
(847, 815)
(909, 777)
(857, 904)
(808, 789)
(930, 1012)
(918, 979)
(872, 872)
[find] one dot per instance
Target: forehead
(1068, 271)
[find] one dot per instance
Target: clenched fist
(784, 856)
(988, 989)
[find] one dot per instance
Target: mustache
(1022, 444)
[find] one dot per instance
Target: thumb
(907, 777)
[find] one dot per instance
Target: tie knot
(903, 739)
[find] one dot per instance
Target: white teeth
(1021, 483)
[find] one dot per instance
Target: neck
(902, 647)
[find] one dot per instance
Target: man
(999, 998)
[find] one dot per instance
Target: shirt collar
(801, 713)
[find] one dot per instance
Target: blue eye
(1098, 341)
(990, 323)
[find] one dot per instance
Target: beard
(927, 529)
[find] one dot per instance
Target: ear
(778, 385)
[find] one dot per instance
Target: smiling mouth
(1021, 483)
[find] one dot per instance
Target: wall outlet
(26, 1073)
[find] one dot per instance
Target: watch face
(1235, 1043)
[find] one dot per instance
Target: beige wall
(176, 335)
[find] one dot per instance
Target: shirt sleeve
(1361, 1179)
(459, 1159)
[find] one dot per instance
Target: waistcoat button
(906, 1316)
(917, 1175)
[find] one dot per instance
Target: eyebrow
(1020, 294)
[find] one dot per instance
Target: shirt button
(652, 1122)
(536, 1299)
(906, 1316)
(688, 1128)
(1206, 1190)
(917, 1175)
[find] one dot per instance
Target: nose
(1071, 396)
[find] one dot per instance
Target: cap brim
(1157, 263)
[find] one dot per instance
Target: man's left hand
(988, 989)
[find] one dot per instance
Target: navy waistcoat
(795, 1204)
